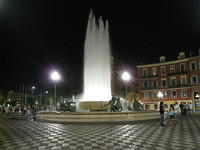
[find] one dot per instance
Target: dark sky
(40, 35)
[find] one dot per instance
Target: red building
(176, 81)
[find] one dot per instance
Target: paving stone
(140, 135)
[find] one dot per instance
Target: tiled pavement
(141, 135)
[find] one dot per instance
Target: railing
(150, 76)
(148, 88)
(170, 74)
(178, 85)
(169, 86)
(177, 73)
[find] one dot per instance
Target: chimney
(162, 59)
(181, 55)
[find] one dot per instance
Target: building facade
(177, 81)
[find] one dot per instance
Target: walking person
(162, 111)
(189, 109)
(171, 114)
(181, 108)
(185, 109)
(176, 112)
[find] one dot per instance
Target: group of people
(186, 108)
(174, 110)
(22, 109)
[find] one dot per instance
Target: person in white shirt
(176, 112)
(189, 109)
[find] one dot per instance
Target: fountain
(97, 66)
(97, 83)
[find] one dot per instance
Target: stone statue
(68, 106)
(115, 104)
(137, 106)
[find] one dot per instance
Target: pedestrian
(176, 112)
(162, 111)
(185, 109)
(171, 114)
(181, 108)
(189, 109)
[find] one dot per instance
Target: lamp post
(160, 95)
(55, 76)
(33, 95)
(126, 78)
(33, 88)
(196, 101)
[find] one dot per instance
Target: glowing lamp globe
(126, 76)
(55, 76)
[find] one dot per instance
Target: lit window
(164, 94)
(154, 71)
(183, 80)
(184, 93)
(172, 68)
(163, 71)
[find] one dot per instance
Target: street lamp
(126, 78)
(33, 95)
(196, 101)
(33, 88)
(46, 92)
(55, 76)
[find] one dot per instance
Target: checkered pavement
(140, 135)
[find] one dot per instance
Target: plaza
(86, 76)
(136, 135)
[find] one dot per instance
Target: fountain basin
(66, 117)
(89, 106)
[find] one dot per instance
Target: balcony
(178, 85)
(149, 76)
(177, 73)
(148, 88)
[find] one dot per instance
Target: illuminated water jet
(97, 61)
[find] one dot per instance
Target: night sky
(40, 35)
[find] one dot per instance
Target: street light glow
(55, 76)
(126, 76)
(33, 87)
